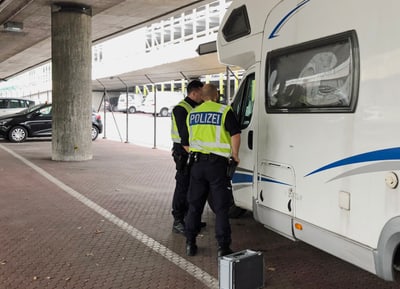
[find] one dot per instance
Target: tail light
(98, 117)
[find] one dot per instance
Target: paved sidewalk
(106, 223)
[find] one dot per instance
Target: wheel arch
(21, 125)
(132, 109)
(388, 251)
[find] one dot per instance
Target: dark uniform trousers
(182, 177)
(208, 176)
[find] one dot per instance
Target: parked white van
(165, 102)
(14, 105)
(134, 102)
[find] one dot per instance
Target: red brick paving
(49, 239)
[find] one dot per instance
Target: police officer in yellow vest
(180, 151)
(214, 138)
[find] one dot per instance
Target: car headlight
(5, 121)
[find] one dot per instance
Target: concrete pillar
(71, 29)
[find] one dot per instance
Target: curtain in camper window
(314, 77)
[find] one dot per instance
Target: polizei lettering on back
(213, 118)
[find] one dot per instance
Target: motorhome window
(244, 101)
(237, 25)
(318, 76)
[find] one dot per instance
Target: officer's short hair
(193, 85)
(210, 92)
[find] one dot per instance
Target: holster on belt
(180, 160)
(230, 170)
(189, 162)
(191, 159)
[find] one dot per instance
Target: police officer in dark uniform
(214, 141)
(180, 149)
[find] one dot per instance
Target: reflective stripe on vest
(174, 128)
(207, 133)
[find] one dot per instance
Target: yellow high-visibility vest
(174, 128)
(207, 133)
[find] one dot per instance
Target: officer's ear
(216, 97)
(220, 97)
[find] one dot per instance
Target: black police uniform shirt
(180, 114)
(231, 123)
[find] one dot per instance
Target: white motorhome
(319, 110)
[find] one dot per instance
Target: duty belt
(208, 157)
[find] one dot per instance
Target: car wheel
(164, 112)
(95, 132)
(132, 109)
(17, 134)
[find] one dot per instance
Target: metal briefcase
(241, 270)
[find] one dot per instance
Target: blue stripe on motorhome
(264, 179)
(373, 168)
(286, 18)
(242, 178)
(379, 155)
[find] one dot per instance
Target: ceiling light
(13, 26)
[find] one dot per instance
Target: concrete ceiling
(189, 69)
(20, 51)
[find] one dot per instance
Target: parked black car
(36, 122)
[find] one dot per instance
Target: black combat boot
(191, 248)
(224, 250)
(178, 227)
